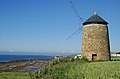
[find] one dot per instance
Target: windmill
(78, 17)
(95, 37)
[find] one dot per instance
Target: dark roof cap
(95, 19)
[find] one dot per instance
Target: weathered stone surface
(95, 42)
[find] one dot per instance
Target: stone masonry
(95, 42)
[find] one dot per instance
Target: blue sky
(43, 25)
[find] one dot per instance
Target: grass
(81, 69)
(14, 75)
(71, 69)
(92, 70)
(115, 58)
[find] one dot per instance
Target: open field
(14, 75)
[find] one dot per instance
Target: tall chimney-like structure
(95, 39)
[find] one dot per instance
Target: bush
(72, 60)
(84, 59)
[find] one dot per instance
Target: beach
(22, 65)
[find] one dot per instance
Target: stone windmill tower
(95, 39)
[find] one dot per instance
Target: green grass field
(115, 58)
(92, 70)
(14, 75)
(71, 70)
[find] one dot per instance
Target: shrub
(84, 59)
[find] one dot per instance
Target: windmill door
(94, 57)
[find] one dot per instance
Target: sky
(44, 25)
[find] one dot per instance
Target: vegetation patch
(115, 58)
(14, 75)
(70, 68)
(77, 69)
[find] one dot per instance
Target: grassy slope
(14, 75)
(74, 70)
(92, 70)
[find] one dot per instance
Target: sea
(13, 56)
(7, 58)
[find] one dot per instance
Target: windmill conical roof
(95, 19)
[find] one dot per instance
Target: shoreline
(30, 65)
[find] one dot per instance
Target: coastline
(30, 65)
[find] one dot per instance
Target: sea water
(7, 58)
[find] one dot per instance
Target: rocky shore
(22, 65)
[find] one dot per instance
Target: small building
(77, 56)
(115, 54)
(57, 57)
